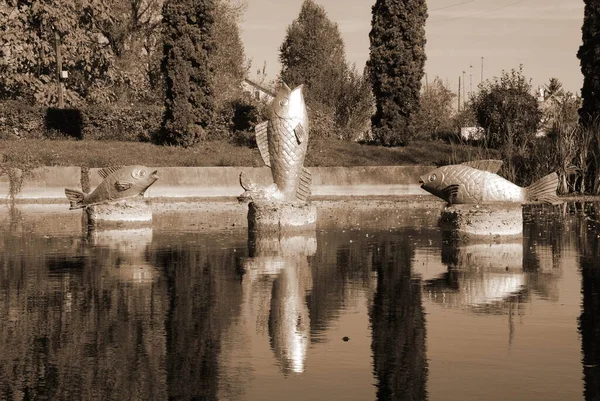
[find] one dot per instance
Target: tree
(589, 56)
(27, 50)
(188, 46)
(396, 62)
(435, 112)
(507, 110)
(313, 54)
(339, 98)
(228, 59)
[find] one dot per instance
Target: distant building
(256, 91)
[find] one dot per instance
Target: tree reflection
(71, 328)
(398, 324)
(589, 321)
(204, 291)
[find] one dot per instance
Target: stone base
(279, 217)
(129, 213)
(491, 220)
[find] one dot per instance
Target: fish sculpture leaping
(282, 141)
(476, 182)
(119, 183)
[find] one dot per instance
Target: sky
(542, 35)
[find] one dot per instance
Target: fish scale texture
(286, 156)
(482, 186)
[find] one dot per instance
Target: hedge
(131, 123)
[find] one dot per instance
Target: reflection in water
(281, 266)
(71, 331)
(204, 297)
(589, 321)
(125, 254)
(481, 276)
(398, 324)
(175, 315)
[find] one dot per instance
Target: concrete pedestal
(278, 217)
(490, 220)
(129, 213)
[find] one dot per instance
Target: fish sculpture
(282, 141)
(119, 183)
(478, 182)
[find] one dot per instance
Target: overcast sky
(543, 35)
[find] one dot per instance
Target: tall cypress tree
(188, 44)
(589, 56)
(396, 65)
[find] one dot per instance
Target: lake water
(376, 304)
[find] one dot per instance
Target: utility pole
(458, 93)
(481, 71)
(470, 80)
(463, 86)
(61, 103)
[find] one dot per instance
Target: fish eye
(432, 177)
(138, 173)
(283, 102)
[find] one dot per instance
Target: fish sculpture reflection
(119, 183)
(477, 182)
(282, 141)
(481, 276)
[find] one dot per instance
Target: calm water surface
(373, 305)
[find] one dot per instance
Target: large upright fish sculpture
(282, 141)
(476, 182)
(119, 183)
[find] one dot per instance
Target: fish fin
(104, 172)
(123, 185)
(544, 190)
(303, 191)
(451, 192)
(493, 166)
(300, 133)
(247, 183)
(75, 198)
(262, 141)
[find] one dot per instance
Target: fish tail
(544, 190)
(76, 198)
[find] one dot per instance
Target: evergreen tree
(188, 45)
(589, 56)
(313, 54)
(396, 63)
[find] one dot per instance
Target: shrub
(19, 120)
(507, 110)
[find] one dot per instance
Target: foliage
(396, 64)
(313, 54)
(507, 110)
(107, 47)
(27, 56)
(338, 97)
(20, 120)
(188, 46)
(589, 57)
(355, 106)
(106, 122)
(435, 116)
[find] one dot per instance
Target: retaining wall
(49, 183)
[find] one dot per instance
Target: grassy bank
(321, 153)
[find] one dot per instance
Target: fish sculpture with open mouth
(119, 183)
(282, 141)
(476, 182)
